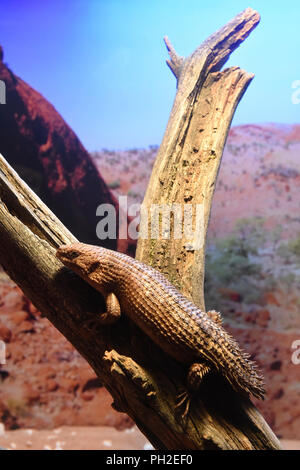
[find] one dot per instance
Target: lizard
(189, 335)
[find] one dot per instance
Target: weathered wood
(143, 381)
(188, 160)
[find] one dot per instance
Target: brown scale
(175, 324)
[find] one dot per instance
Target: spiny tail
(247, 379)
(242, 373)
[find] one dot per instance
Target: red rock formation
(47, 154)
(44, 382)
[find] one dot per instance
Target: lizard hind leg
(195, 375)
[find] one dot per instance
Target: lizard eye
(73, 254)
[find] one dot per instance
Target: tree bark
(189, 157)
(143, 381)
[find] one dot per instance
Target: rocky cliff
(48, 155)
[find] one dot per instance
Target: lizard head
(89, 262)
(76, 256)
(68, 253)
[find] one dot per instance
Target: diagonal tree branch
(143, 381)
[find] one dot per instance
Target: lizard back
(173, 322)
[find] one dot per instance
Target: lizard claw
(183, 398)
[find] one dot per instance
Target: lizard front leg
(113, 310)
(110, 316)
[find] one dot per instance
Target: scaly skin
(175, 324)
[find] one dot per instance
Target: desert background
(50, 398)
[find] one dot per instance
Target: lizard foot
(196, 373)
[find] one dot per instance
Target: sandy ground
(74, 438)
(85, 438)
(290, 445)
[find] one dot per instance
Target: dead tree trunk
(143, 381)
(188, 160)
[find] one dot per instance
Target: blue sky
(101, 63)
